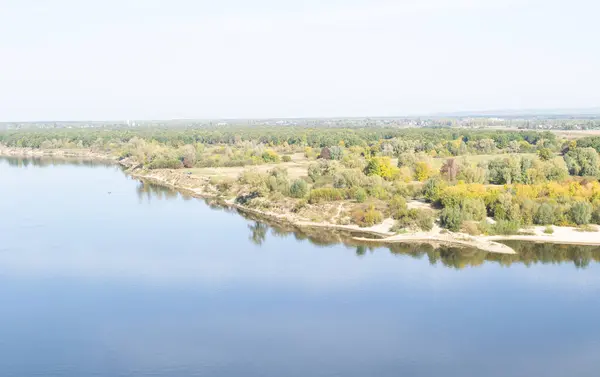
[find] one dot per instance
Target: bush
(325, 194)
(581, 213)
(286, 158)
(596, 214)
(432, 189)
(583, 162)
(507, 227)
(299, 206)
(270, 156)
(254, 179)
(549, 229)
(415, 219)
(188, 156)
(360, 195)
(336, 153)
(545, 154)
(451, 218)
(223, 185)
(424, 219)
(397, 207)
(322, 168)
(348, 178)
(587, 228)
(473, 209)
(422, 171)
(298, 189)
(278, 181)
(368, 217)
(380, 166)
(544, 215)
(163, 162)
(471, 228)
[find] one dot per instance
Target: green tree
(432, 189)
(397, 207)
(583, 162)
(544, 215)
(360, 195)
(380, 166)
(544, 154)
(581, 213)
(451, 218)
(298, 189)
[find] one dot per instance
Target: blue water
(101, 275)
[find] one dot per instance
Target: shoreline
(200, 187)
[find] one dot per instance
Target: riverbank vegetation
(471, 181)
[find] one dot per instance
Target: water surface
(101, 275)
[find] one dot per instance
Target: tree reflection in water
(53, 161)
(528, 253)
(148, 190)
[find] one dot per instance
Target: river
(103, 275)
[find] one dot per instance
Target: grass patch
(587, 228)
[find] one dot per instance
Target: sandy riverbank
(200, 186)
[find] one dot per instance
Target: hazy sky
(131, 59)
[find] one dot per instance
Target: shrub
(309, 153)
(432, 189)
(507, 227)
(596, 214)
(298, 189)
(415, 219)
(360, 195)
(587, 228)
(407, 159)
(379, 192)
(322, 168)
(325, 194)
(422, 171)
(163, 162)
(473, 209)
(470, 174)
(299, 206)
(583, 161)
(372, 217)
(548, 229)
(254, 179)
(544, 215)
(278, 181)
(397, 207)
(224, 185)
(270, 156)
(470, 228)
(380, 166)
(349, 178)
(544, 154)
(367, 217)
(336, 153)
(286, 158)
(188, 156)
(581, 213)
(424, 219)
(451, 218)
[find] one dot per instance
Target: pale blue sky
(131, 59)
